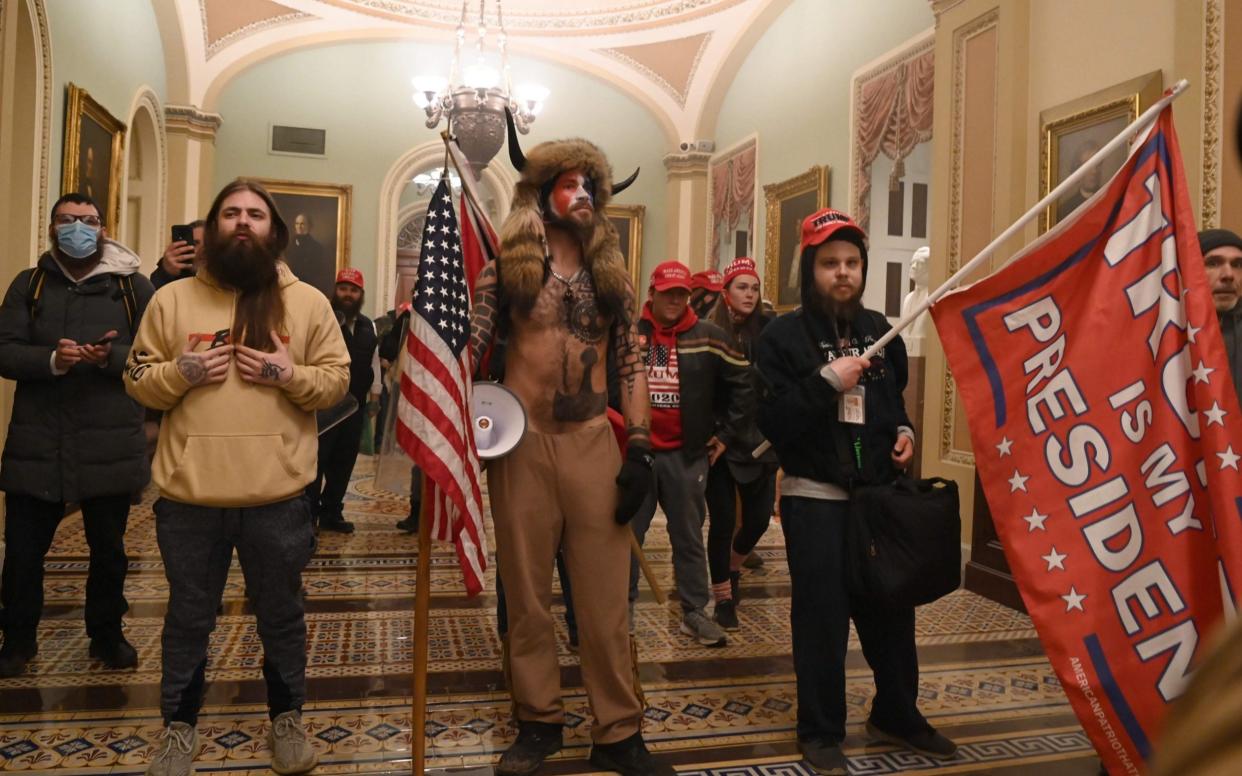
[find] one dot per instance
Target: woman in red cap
(737, 474)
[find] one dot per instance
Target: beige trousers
(558, 491)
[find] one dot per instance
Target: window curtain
(894, 115)
(733, 195)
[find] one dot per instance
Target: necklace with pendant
(568, 299)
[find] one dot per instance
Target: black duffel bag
(903, 542)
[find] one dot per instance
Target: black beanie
(1211, 239)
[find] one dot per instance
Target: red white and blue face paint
(571, 192)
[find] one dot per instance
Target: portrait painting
(788, 203)
(94, 148)
(628, 221)
(1072, 133)
(318, 218)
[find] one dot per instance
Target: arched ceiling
(673, 56)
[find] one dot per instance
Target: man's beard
(350, 307)
(843, 312)
(244, 265)
(570, 224)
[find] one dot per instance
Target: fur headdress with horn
(522, 237)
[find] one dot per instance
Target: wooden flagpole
(422, 604)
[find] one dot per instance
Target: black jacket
(709, 370)
(161, 277)
(361, 345)
(78, 435)
(798, 408)
(743, 466)
(1231, 330)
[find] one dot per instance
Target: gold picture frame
(628, 221)
(788, 203)
(93, 154)
(326, 209)
(1071, 132)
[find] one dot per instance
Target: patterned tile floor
(728, 711)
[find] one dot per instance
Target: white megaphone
(498, 418)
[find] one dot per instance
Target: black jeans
(820, 622)
(274, 543)
(758, 497)
(338, 452)
(29, 528)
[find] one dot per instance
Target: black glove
(634, 482)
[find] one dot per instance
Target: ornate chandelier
(474, 98)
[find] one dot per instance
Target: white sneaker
(697, 625)
(291, 749)
(175, 757)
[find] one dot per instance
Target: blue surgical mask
(77, 240)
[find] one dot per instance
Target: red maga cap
(670, 274)
(709, 280)
(823, 224)
(742, 265)
(350, 275)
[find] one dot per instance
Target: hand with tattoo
(256, 366)
(211, 366)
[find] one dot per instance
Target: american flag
(433, 411)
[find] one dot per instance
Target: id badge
(852, 406)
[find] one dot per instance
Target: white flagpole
(1066, 185)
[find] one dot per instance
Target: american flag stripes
(433, 410)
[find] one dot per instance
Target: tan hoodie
(235, 444)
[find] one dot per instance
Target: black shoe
(726, 615)
(409, 525)
(823, 757)
(336, 524)
(753, 560)
(14, 656)
(926, 742)
(114, 652)
(628, 757)
(536, 742)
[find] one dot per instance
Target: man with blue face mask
(75, 437)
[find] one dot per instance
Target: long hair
(259, 310)
(745, 332)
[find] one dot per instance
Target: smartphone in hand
(184, 233)
(105, 339)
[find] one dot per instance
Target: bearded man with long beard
(238, 358)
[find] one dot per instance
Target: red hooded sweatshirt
(663, 383)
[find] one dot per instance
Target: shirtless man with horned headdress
(561, 292)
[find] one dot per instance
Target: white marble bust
(916, 332)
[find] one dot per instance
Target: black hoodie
(798, 407)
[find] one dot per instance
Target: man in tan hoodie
(238, 358)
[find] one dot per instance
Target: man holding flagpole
(561, 293)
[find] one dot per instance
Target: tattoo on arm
(484, 314)
(635, 403)
(191, 368)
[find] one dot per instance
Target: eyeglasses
(64, 219)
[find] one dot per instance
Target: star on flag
(1006, 444)
(1017, 482)
(1201, 372)
(1228, 459)
(1035, 520)
(1056, 560)
(1073, 600)
(1215, 415)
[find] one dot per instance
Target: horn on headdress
(516, 157)
(623, 185)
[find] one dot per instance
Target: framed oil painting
(318, 217)
(788, 202)
(628, 221)
(1071, 133)
(94, 151)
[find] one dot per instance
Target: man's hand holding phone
(98, 351)
(179, 255)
